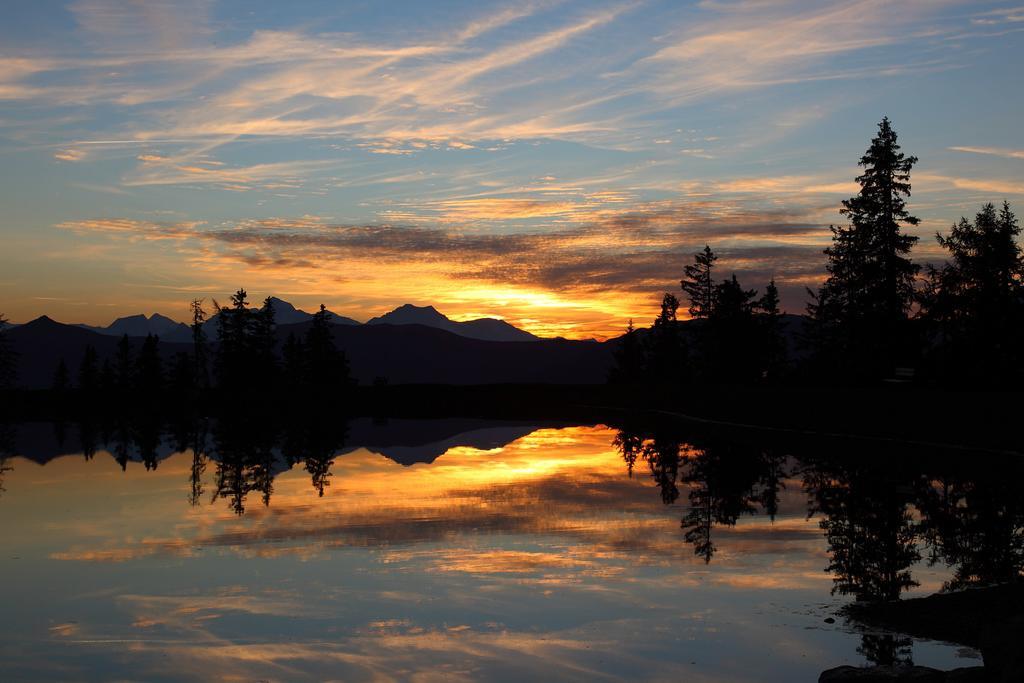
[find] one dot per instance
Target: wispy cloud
(992, 151)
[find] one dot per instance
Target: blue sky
(552, 163)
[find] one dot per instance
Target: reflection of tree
(244, 451)
(773, 474)
(975, 525)
(314, 441)
(6, 451)
(870, 532)
(722, 478)
(887, 649)
(630, 444)
(87, 437)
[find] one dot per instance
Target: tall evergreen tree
(729, 338)
(234, 349)
(772, 341)
(628, 358)
(667, 360)
(200, 349)
(862, 307)
(327, 366)
(698, 283)
(974, 302)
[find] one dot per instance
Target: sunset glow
(549, 163)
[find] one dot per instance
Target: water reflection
(878, 515)
(358, 538)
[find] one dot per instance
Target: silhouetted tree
(89, 371)
(772, 339)
(729, 338)
(245, 360)
(234, 349)
(200, 349)
(698, 283)
(975, 302)
(629, 358)
(8, 357)
(327, 367)
(667, 354)
(861, 308)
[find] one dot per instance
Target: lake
(464, 550)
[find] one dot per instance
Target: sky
(551, 163)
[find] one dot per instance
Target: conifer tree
(698, 283)
(667, 357)
(200, 350)
(327, 367)
(628, 358)
(773, 344)
(729, 338)
(974, 302)
(862, 307)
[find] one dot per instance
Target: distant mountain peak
(409, 314)
(489, 329)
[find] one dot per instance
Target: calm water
(464, 550)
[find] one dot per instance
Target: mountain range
(487, 329)
(395, 352)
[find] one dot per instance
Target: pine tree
(667, 360)
(698, 283)
(327, 368)
(234, 350)
(628, 358)
(729, 338)
(862, 307)
(773, 344)
(974, 302)
(200, 351)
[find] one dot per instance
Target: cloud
(70, 154)
(993, 151)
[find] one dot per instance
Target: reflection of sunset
(494, 559)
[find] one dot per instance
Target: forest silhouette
(877, 317)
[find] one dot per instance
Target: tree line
(876, 316)
(245, 360)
